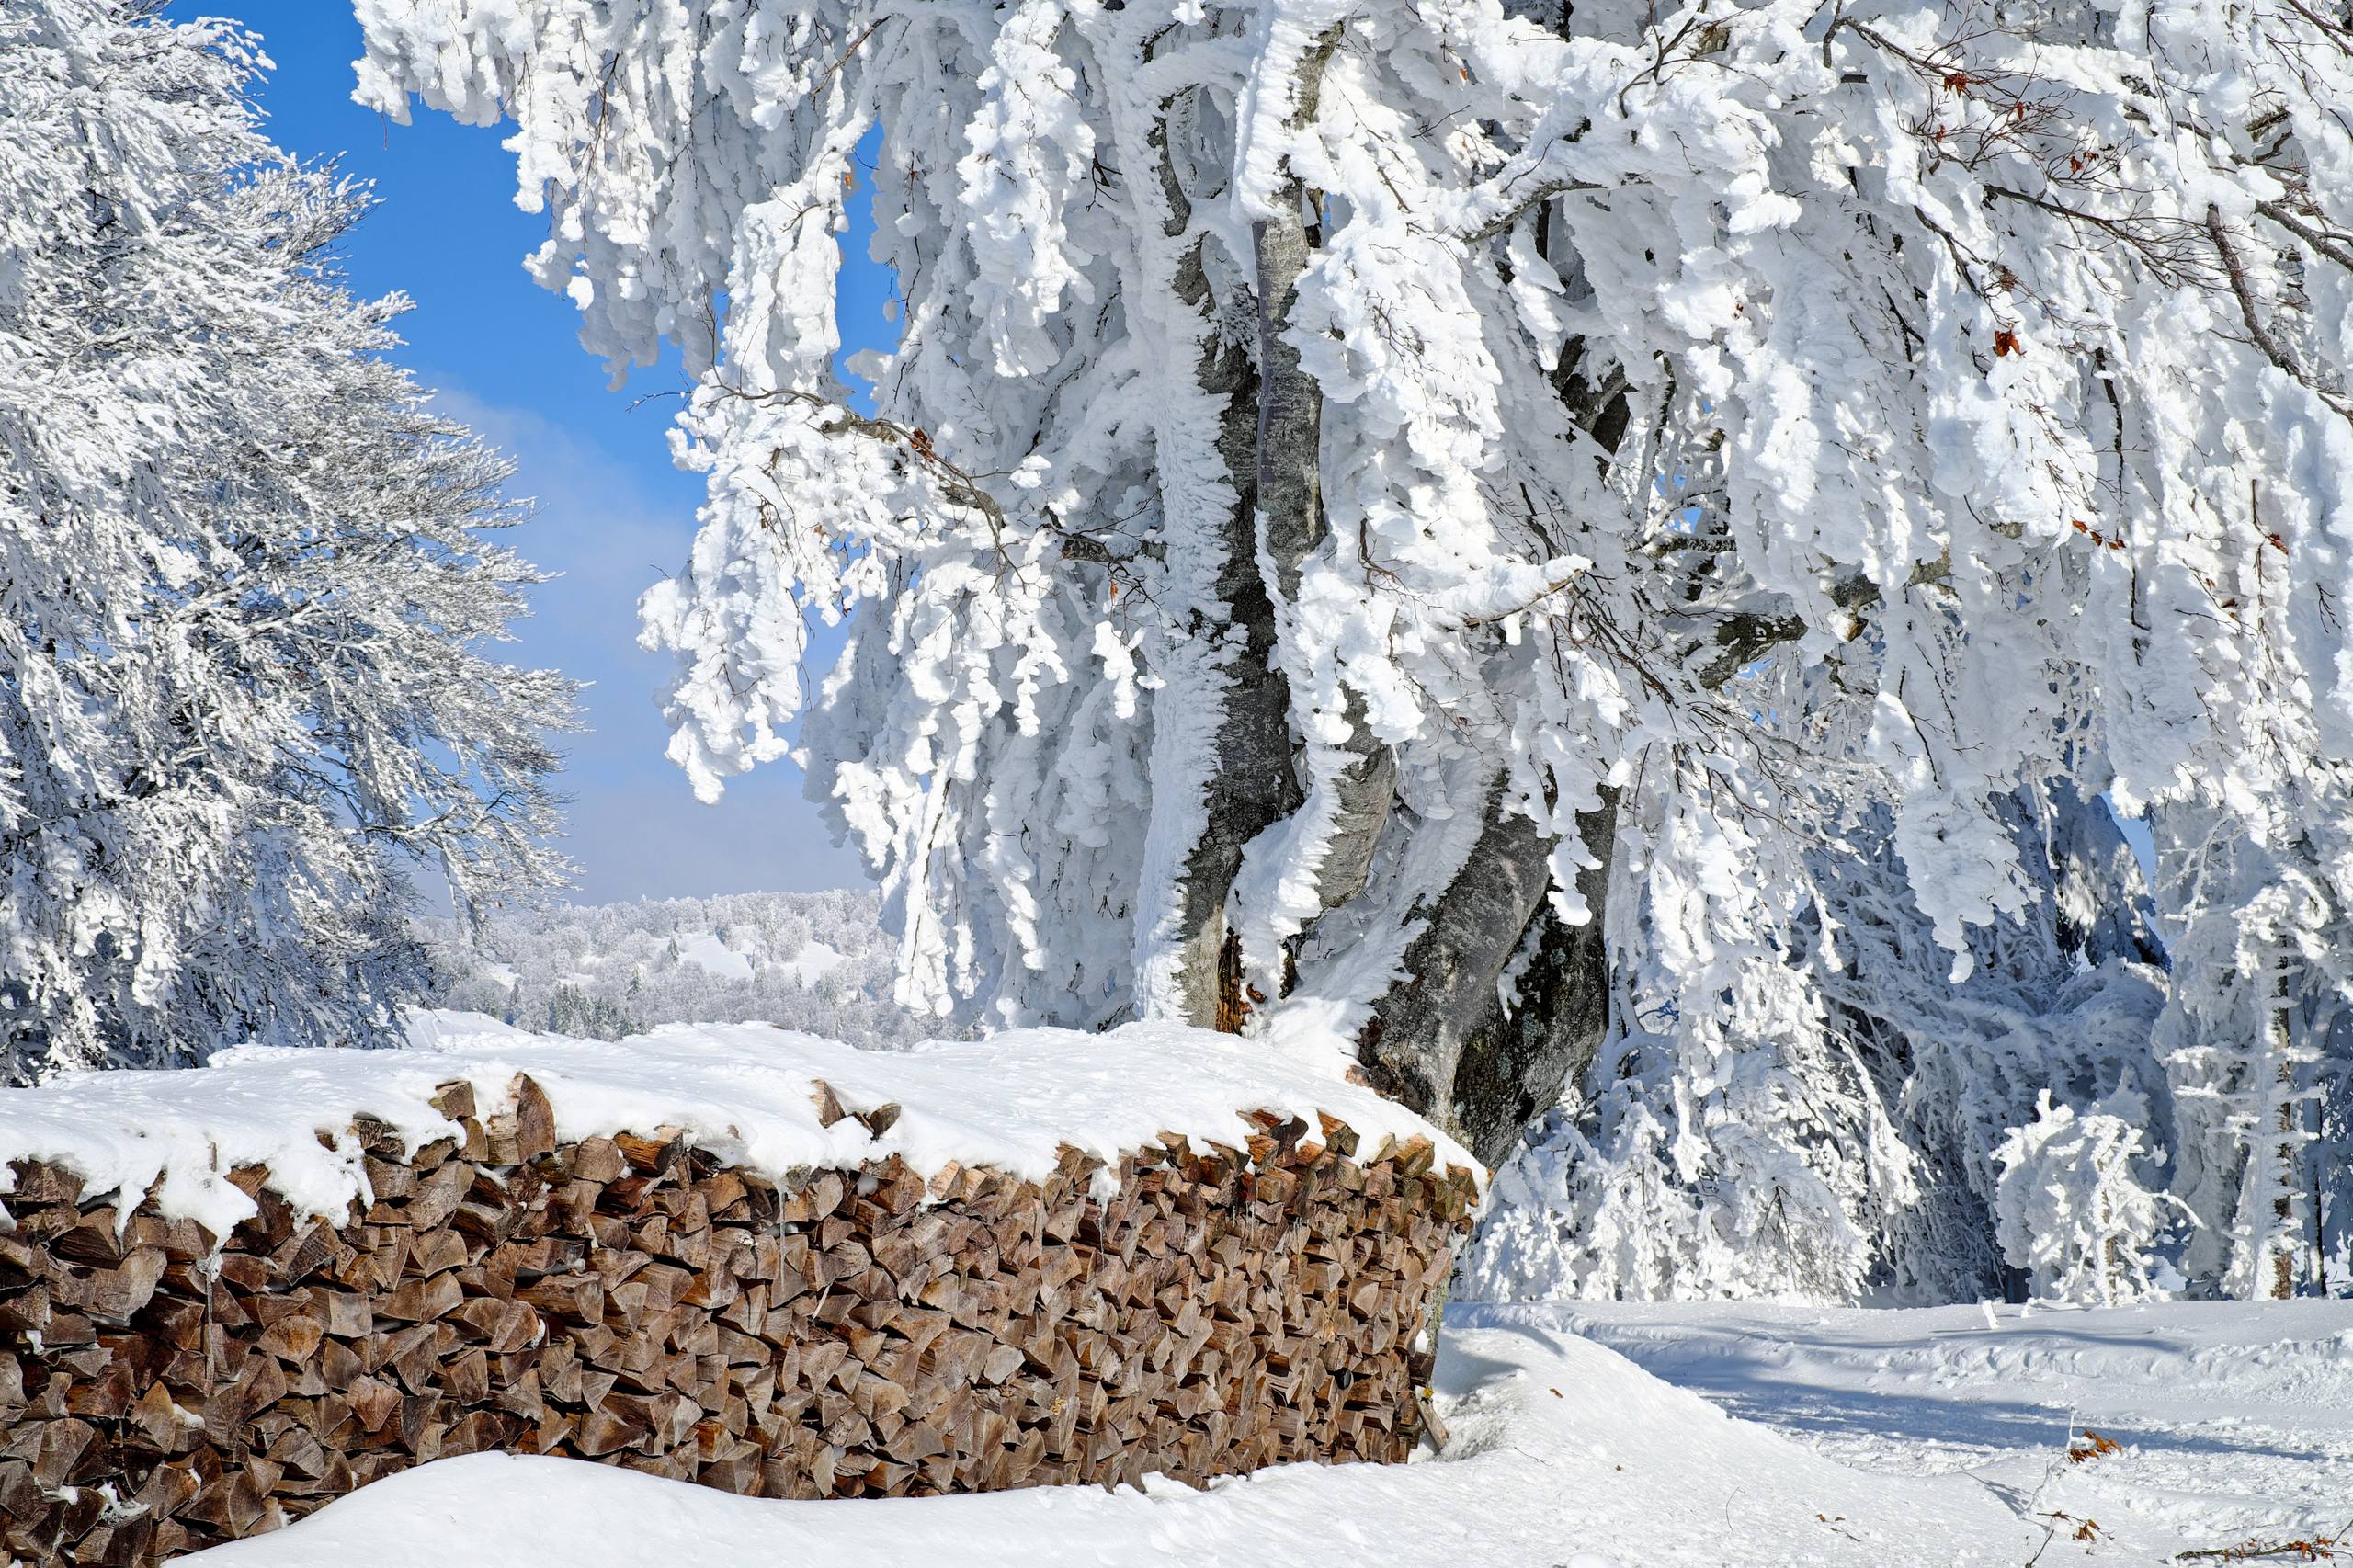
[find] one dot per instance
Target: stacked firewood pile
(850, 1332)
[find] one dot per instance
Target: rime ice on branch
(248, 628)
(1368, 499)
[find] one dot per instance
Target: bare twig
(2338, 248)
(1537, 198)
(854, 45)
(2235, 270)
(2304, 1548)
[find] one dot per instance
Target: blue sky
(614, 515)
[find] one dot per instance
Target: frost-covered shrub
(2257, 1041)
(1657, 1213)
(1799, 1100)
(2072, 1207)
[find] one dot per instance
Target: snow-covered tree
(1358, 476)
(611, 969)
(1795, 1099)
(245, 674)
(2074, 1212)
(2255, 1036)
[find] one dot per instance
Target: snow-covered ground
(706, 951)
(815, 961)
(1719, 1437)
(2233, 1421)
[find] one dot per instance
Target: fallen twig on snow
(2305, 1548)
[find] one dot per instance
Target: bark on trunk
(2286, 1240)
(1252, 787)
(1271, 441)
(1441, 1040)
(1290, 511)
(1290, 406)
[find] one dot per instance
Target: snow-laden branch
(1945, 400)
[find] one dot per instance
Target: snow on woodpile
(745, 1093)
(771, 1264)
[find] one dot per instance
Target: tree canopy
(247, 678)
(1536, 543)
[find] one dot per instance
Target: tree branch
(2235, 270)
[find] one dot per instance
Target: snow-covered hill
(1920, 1440)
(817, 961)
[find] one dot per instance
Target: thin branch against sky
(614, 515)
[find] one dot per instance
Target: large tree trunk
(1271, 443)
(2284, 1247)
(1252, 786)
(1441, 1039)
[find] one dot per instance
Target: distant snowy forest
(818, 962)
